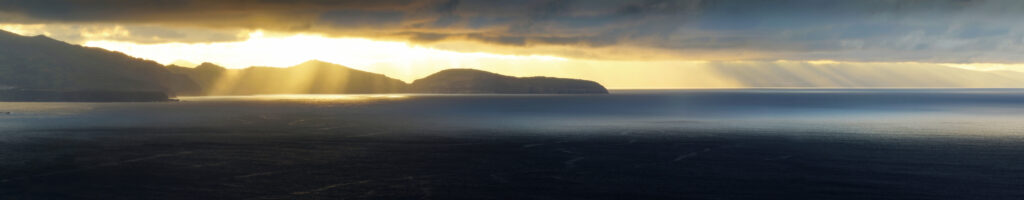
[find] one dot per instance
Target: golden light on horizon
(988, 66)
(409, 62)
(283, 51)
(25, 29)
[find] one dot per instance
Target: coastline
(82, 96)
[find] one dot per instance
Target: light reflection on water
(298, 97)
(810, 144)
(896, 112)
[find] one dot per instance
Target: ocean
(631, 144)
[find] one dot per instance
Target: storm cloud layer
(949, 31)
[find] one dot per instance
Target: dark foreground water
(697, 144)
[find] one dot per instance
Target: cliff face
(476, 81)
(313, 77)
(43, 64)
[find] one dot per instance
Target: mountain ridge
(310, 77)
(462, 80)
(320, 77)
(41, 64)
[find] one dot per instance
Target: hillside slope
(42, 64)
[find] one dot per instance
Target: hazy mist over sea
(808, 143)
(893, 111)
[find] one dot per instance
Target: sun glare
(409, 62)
(261, 49)
(25, 29)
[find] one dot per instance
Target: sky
(620, 43)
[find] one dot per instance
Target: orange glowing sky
(621, 44)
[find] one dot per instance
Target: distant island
(477, 81)
(318, 77)
(43, 69)
(311, 77)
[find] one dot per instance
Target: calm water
(783, 143)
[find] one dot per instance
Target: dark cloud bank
(868, 30)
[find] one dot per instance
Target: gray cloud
(863, 30)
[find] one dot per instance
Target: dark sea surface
(644, 144)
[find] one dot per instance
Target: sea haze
(742, 143)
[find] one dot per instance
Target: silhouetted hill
(476, 81)
(40, 69)
(312, 77)
(40, 65)
(206, 74)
